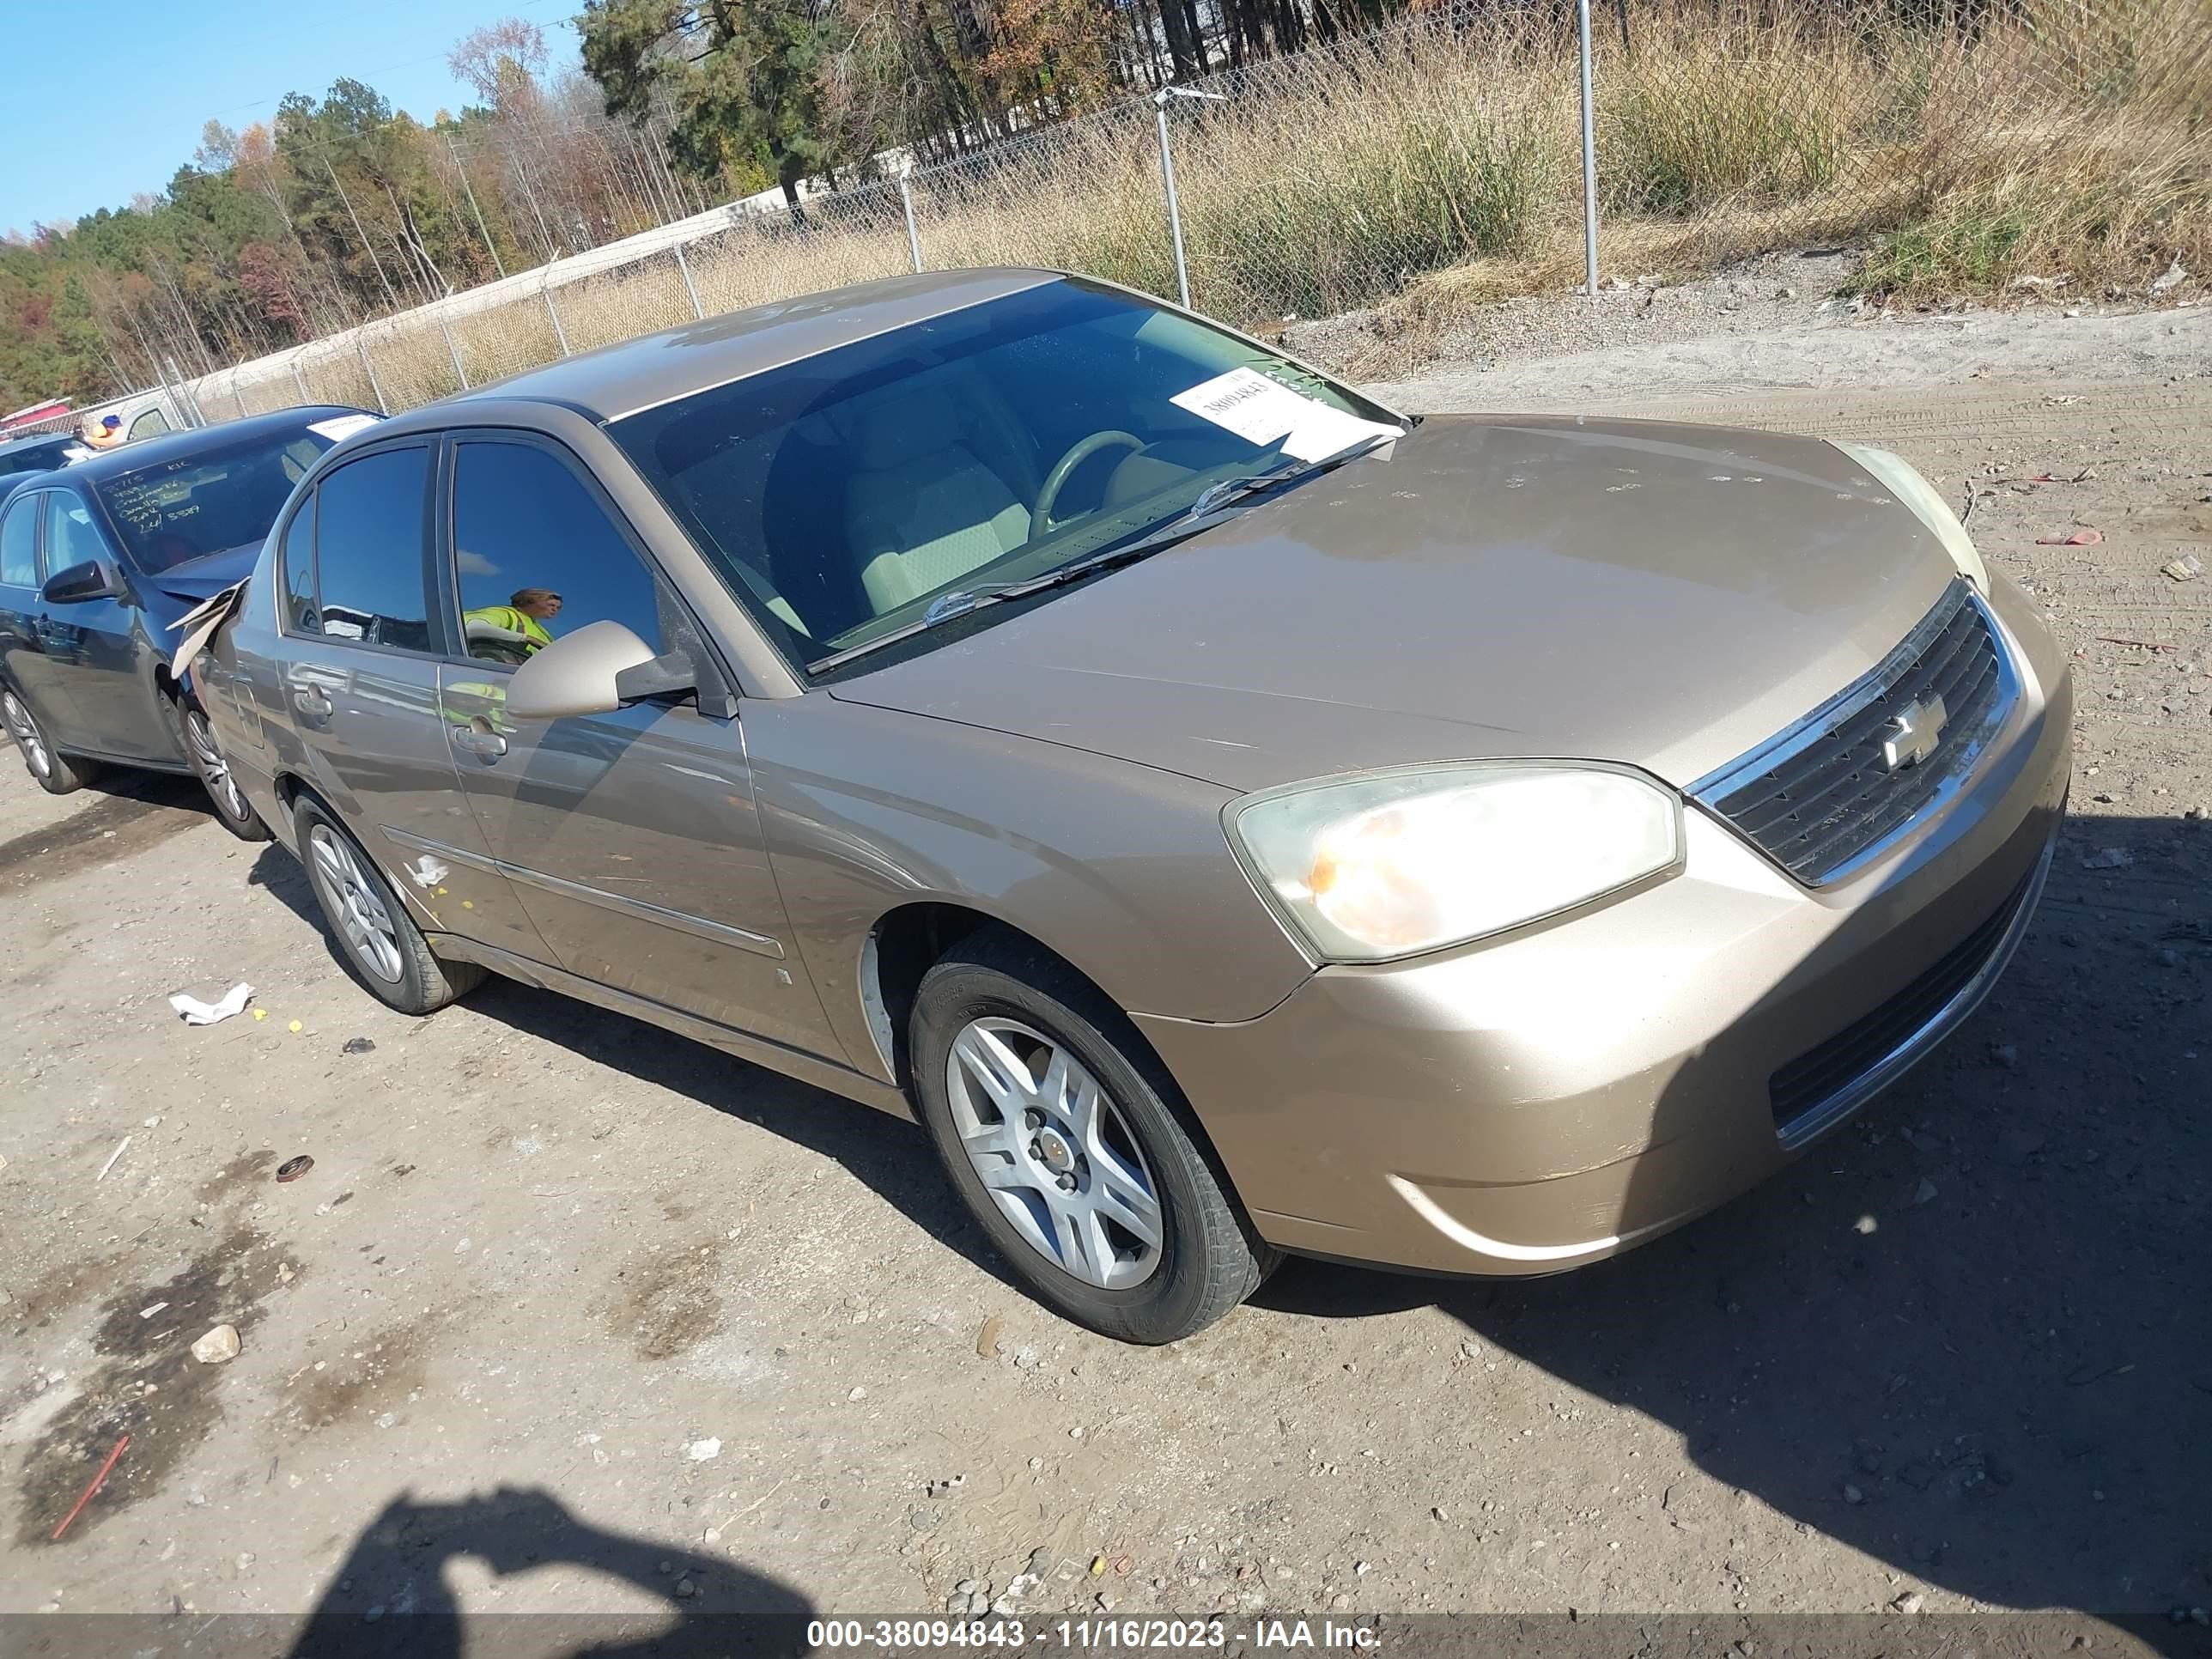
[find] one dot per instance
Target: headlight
(1904, 482)
(1393, 864)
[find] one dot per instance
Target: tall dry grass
(1438, 165)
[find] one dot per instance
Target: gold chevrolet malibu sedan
(1232, 817)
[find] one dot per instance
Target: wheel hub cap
(1056, 1153)
(25, 731)
(355, 905)
(213, 768)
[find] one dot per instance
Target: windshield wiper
(1228, 491)
(1212, 502)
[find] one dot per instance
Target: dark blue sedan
(97, 562)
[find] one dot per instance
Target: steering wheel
(1048, 496)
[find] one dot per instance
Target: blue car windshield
(210, 500)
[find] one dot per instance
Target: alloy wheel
(350, 896)
(25, 731)
(215, 771)
(1054, 1153)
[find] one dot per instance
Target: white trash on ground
(196, 1013)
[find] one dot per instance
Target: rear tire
(51, 770)
(1092, 1182)
(377, 940)
(232, 810)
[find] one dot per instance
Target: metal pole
(174, 396)
(553, 310)
(453, 351)
(1175, 212)
(690, 289)
(1589, 156)
(913, 233)
(235, 397)
(490, 246)
(300, 380)
(194, 413)
(369, 369)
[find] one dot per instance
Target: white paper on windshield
(1255, 407)
(76, 452)
(339, 428)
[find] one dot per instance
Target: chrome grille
(1830, 792)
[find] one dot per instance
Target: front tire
(232, 810)
(51, 770)
(1069, 1143)
(379, 941)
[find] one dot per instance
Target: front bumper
(1537, 1102)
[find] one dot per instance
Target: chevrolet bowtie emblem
(1914, 734)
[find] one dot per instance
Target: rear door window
(19, 542)
(151, 424)
(370, 569)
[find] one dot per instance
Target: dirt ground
(571, 1314)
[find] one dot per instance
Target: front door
(100, 650)
(631, 836)
(360, 694)
(23, 661)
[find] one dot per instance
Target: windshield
(211, 499)
(843, 495)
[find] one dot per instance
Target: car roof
(12, 484)
(621, 380)
(182, 446)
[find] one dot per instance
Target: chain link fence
(1964, 141)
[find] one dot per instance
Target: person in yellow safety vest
(514, 630)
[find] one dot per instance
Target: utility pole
(490, 246)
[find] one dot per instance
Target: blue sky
(102, 101)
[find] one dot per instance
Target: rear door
(360, 693)
(102, 649)
(631, 836)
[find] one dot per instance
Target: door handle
(314, 702)
(478, 739)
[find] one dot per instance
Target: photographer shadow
(393, 1594)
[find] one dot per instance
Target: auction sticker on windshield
(339, 428)
(1254, 407)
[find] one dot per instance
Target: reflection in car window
(211, 500)
(70, 537)
(537, 556)
(369, 550)
(300, 571)
(19, 542)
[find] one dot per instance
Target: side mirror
(78, 583)
(578, 674)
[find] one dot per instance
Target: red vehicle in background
(54, 409)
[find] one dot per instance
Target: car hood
(1659, 595)
(208, 574)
